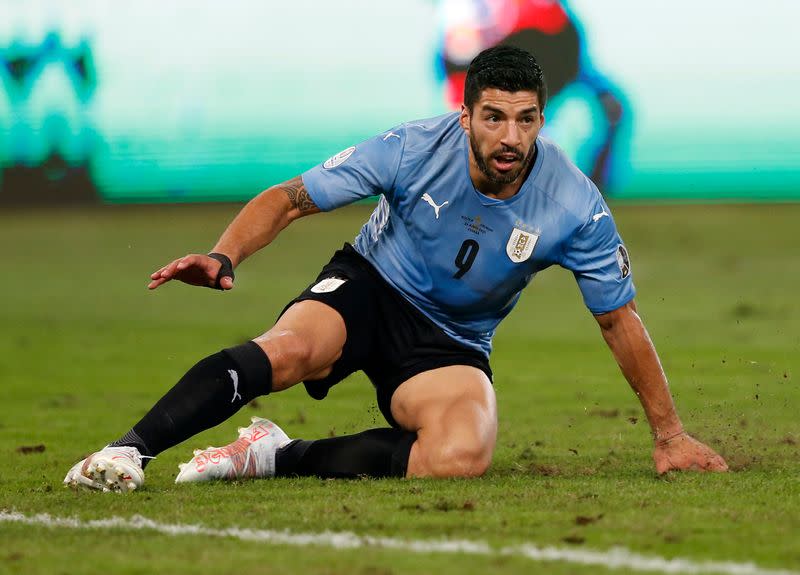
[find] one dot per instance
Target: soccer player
(472, 205)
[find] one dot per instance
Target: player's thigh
(454, 412)
(304, 343)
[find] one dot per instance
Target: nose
(511, 135)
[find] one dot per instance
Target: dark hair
(505, 68)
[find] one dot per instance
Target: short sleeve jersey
(459, 256)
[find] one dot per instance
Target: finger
(226, 283)
(157, 274)
(663, 464)
(716, 463)
(175, 267)
(168, 270)
(155, 283)
(189, 261)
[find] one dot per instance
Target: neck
(493, 189)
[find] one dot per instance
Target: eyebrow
(487, 108)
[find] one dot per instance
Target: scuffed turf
(85, 350)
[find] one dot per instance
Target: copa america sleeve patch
(328, 285)
(623, 261)
(339, 158)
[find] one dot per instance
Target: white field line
(616, 558)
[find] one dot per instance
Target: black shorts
(387, 337)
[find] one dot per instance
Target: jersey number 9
(466, 257)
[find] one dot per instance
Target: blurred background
(147, 101)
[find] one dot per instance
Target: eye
(493, 118)
(527, 120)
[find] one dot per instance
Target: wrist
(663, 437)
(665, 426)
(224, 259)
(231, 254)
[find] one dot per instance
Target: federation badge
(623, 261)
(339, 158)
(520, 245)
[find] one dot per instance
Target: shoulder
(565, 184)
(431, 134)
(433, 152)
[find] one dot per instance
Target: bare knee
(293, 358)
(450, 458)
(454, 413)
(461, 461)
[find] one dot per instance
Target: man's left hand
(685, 452)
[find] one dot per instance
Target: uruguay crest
(520, 245)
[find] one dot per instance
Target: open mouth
(505, 162)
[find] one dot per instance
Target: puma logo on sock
(235, 379)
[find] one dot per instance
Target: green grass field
(85, 350)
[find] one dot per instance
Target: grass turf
(85, 350)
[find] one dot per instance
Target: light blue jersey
(461, 257)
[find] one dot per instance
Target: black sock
(208, 394)
(372, 453)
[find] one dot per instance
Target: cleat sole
(107, 475)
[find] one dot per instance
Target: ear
(464, 118)
(542, 115)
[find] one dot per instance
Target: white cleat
(250, 456)
(110, 469)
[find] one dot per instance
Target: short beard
(494, 177)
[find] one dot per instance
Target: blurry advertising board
(187, 101)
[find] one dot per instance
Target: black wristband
(226, 270)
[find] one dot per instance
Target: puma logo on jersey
(426, 196)
(597, 217)
(235, 380)
(389, 135)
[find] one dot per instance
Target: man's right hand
(194, 269)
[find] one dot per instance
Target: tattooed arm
(299, 198)
(263, 218)
(259, 222)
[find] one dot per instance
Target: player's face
(502, 129)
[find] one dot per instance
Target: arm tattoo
(296, 191)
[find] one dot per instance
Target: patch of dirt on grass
(28, 449)
(607, 413)
(441, 505)
(544, 470)
(587, 519)
(742, 461)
